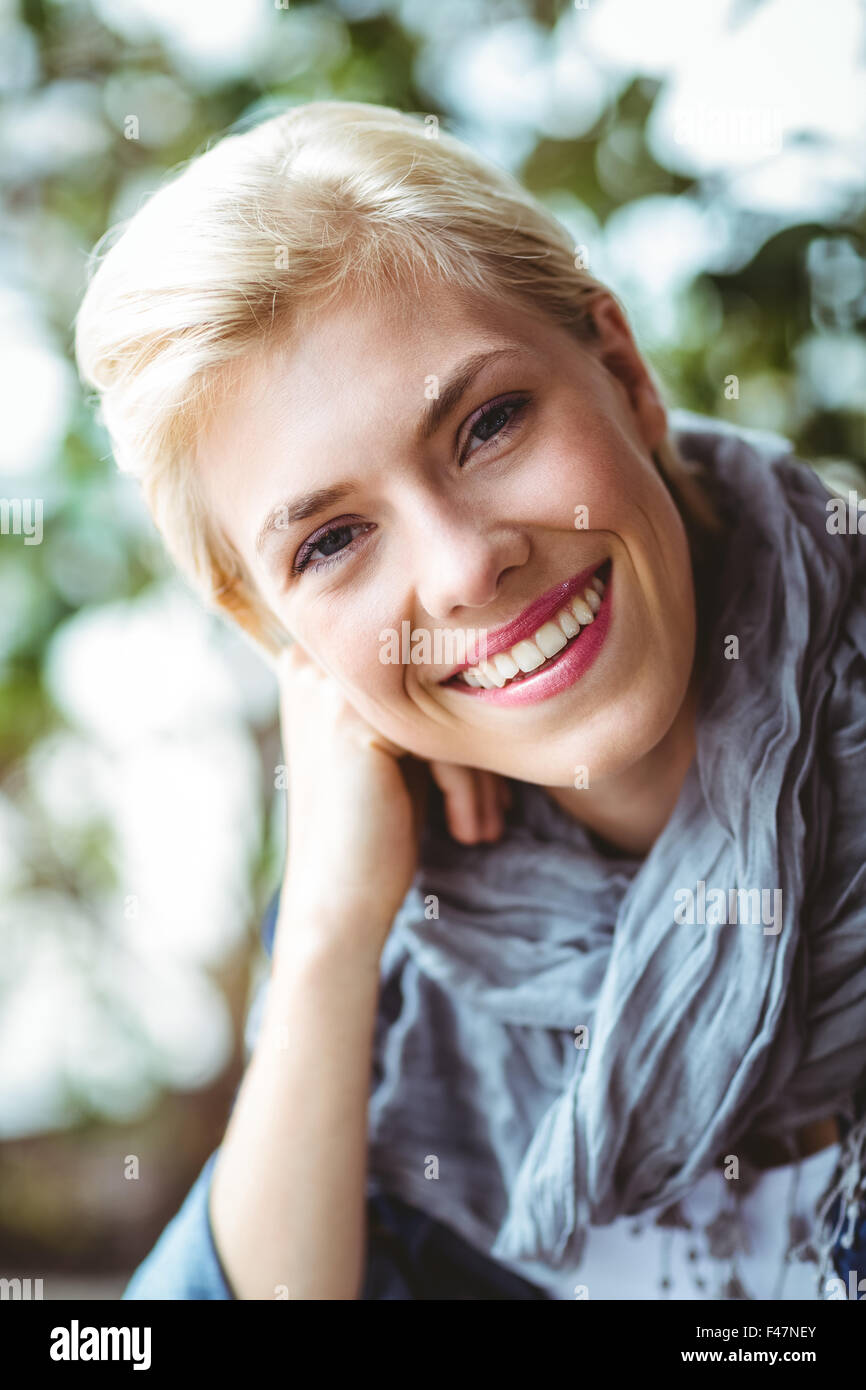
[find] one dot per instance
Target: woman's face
(418, 504)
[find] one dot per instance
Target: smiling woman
(368, 388)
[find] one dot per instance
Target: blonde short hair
(277, 221)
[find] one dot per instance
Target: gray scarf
(695, 1026)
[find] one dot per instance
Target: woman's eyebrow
(286, 514)
(457, 382)
(308, 504)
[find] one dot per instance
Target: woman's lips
(502, 639)
(562, 670)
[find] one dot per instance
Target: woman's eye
(328, 545)
(496, 419)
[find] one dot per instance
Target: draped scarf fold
(567, 1035)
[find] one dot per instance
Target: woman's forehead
(360, 364)
(404, 335)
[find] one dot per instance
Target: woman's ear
(615, 348)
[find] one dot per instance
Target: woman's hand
(356, 804)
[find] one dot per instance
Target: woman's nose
(459, 566)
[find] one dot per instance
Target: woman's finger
(491, 807)
(462, 806)
(475, 801)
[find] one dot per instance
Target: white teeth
(493, 674)
(581, 610)
(550, 638)
(527, 656)
(505, 665)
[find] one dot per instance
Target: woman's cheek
(568, 488)
(364, 667)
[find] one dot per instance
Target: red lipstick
(562, 670)
(502, 639)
